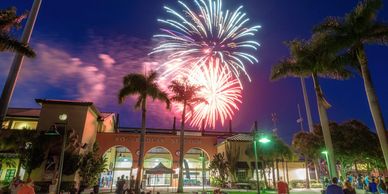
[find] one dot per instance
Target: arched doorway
(119, 162)
(196, 168)
(156, 157)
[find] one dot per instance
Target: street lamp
(262, 140)
(202, 158)
(326, 153)
(54, 132)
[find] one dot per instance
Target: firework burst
(197, 35)
(221, 91)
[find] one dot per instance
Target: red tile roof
(23, 112)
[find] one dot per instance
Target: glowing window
(29, 125)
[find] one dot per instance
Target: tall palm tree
(312, 58)
(352, 32)
(9, 20)
(143, 86)
(187, 94)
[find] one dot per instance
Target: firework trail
(221, 91)
(210, 46)
(195, 36)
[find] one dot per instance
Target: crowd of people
(373, 185)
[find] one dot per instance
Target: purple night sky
(84, 48)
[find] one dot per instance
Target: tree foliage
(232, 152)
(142, 86)
(72, 163)
(219, 170)
(91, 166)
(9, 21)
(354, 142)
(308, 145)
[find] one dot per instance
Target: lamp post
(63, 118)
(262, 140)
(202, 157)
(326, 153)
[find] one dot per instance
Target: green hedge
(302, 184)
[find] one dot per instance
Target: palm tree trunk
(284, 170)
(322, 105)
(17, 62)
(373, 103)
(317, 169)
(287, 177)
(273, 174)
(264, 174)
(307, 173)
(277, 170)
(141, 154)
(307, 104)
(181, 149)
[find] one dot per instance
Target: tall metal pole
(17, 62)
(307, 105)
(256, 165)
(300, 119)
(62, 159)
(203, 172)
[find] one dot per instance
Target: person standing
(372, 187)
(132, 183)
(334, 188)
(282, 187)
(119, 186)
(348, 189)
(27, 187)
(381, 185)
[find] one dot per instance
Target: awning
(160, 169)
(242, 165)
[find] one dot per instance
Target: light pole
(202, 157)
(63, 118)
(262, 140)
(326, 153)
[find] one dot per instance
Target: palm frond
(139, 84)
(377, 34)
(9, 19)
(135, 79)
(139, 101)
(152, 75)
(287, 68)
(364, 13)
(329, 24)
(127, 91)
(8, 43)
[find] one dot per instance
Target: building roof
(23, 112)
(106, 114)
(240, 137)
(70, 102)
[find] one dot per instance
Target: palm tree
(9, 21)
(186, 94)
(312, 58)
(143, 86)
(352, 32)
